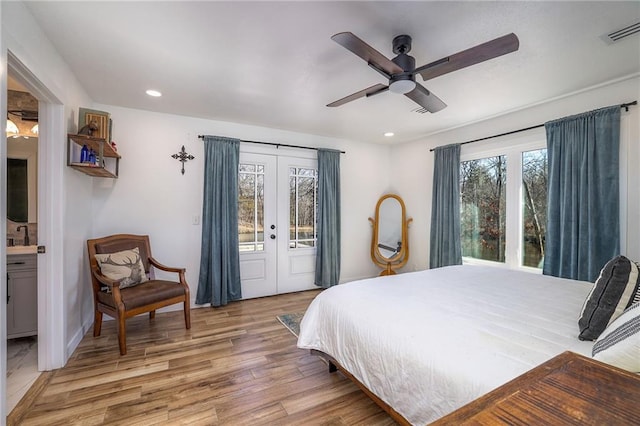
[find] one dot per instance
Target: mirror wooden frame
(399, 259)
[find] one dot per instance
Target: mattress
(428, 342)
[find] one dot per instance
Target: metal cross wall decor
(183, 157)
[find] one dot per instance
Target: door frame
(51, 306)
(277, 152)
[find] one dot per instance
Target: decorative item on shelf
(84, 154)
(114, 146)
(102, 119)
(183, 157)
(89, 129)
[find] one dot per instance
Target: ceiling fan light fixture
(402, 86)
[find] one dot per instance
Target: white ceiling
(273, 64)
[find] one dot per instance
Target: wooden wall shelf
(102, 149)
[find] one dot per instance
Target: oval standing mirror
(389, 242)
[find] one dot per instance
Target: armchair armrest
(159, 265)
(104, 280)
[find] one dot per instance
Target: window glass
(303, 183)
(483, 208)
(251, 207)
(534, 206)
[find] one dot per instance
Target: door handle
(8, 295)
(272, 236)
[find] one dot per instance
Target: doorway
(21, 231)
(277, 204)
(51, 329)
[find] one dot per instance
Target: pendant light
(12, 129)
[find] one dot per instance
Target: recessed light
(389, 134)
(153, 93)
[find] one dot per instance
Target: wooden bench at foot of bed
(569, 389)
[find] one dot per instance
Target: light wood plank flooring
(236, 366)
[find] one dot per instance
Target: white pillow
(619, 343)
(125, 264)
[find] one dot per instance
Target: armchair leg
(152, 314)
(187, 312)
(97, 323)
(122, 334)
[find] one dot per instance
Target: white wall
(412, 163)
(152, 197)
(22, 36)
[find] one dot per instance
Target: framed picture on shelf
(102, 119)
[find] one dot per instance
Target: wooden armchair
(123, 303)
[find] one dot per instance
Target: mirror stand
(390, 239)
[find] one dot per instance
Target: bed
(426, 343)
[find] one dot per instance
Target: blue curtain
(445, 208)
(583, 221)
(219, 280)
(328, 249)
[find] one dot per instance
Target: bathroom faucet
(26, 233)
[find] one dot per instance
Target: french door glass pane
(251, 207)
(534, 211)
(483, 208)
(303, 183)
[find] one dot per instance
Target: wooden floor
(236, 366)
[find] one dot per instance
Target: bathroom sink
(22, 250)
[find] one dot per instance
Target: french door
(277, 204)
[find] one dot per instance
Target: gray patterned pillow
(124, 265)
(619, 344)
(614, 291)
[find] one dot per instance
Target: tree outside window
(483, 208)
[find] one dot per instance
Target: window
(534, 206)
(483, 208)
(303, 202)
(503, 206)
(251, 207)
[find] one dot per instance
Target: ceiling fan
(401, 71)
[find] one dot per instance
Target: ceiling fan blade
(375, 59)
(425, 99)
(480, 53)
(369, 91)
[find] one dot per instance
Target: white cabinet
(22, 295)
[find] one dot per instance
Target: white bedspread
(429, 342)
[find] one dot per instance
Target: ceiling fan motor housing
(403, 82)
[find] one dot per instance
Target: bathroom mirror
(389, 241)
(22, 180)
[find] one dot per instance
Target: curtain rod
(625, 106)
(277, 145)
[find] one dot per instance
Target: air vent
(419, 110)
(622, 33)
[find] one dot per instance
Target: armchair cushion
(124, 265)
(144, 294)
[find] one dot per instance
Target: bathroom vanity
(22, 292)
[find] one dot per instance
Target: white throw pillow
(619, 343)
(124, 265)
